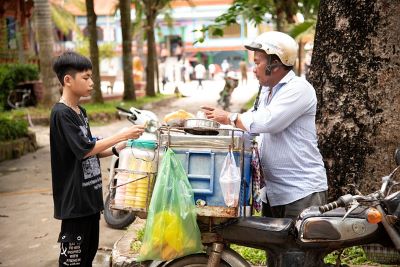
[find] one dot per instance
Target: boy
(76, 175)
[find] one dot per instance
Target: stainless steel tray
(201, 141)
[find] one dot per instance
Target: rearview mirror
(397, 156)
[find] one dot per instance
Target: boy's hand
(133, 132)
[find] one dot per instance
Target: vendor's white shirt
(289, 153)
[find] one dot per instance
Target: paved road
(28, 231)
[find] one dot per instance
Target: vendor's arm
(221, 116)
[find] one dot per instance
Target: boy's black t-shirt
(77, 184)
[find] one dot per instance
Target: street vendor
(284, 117)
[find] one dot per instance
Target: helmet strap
(270, 67)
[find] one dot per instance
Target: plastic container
(136, 169)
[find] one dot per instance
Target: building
(189, 17)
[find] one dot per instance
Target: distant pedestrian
(75, 165)
(178, 50)
(200, 72)
(211, 70)
(243, 71)
(163, 53)
(225, 67)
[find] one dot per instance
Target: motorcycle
(119, 219)
(231, 82)
(371, 221)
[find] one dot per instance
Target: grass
(249, 103)
(252, 255)
(351, 256)
(137, 242)
(109, 106)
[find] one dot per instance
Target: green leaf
(217, 32)
(302, 28)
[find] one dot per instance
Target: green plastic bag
(171, 228)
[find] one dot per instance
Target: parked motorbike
(371, 221)
(119, 219)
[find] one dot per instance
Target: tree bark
(129, 87)
(355, 71)
(44, 32)
(97, 96)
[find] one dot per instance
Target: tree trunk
(355, 71)
(151, 54)
(97, 97)
(44, 32)
(129, 87)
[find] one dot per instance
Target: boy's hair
(69, 63)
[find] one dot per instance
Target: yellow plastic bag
(171, 229)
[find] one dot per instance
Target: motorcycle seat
(258, 230)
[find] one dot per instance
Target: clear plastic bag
(229, 180)
(171, 228)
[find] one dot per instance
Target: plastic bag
(229, 180)
(171, 228)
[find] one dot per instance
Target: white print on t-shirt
(91, 167)
(84, 131)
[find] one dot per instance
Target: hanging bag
(229, 180)
(171, 228)
(258, 182)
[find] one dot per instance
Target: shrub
(13, 74)
(11, 128)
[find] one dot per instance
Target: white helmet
(276, 43)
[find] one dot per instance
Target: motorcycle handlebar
(124, 110)
(343, 201)
(130, 116)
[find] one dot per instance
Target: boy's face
(82, 84)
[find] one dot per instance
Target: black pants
(292, 210)
(79, 240)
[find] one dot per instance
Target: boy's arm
(108, 152)
(102, 147)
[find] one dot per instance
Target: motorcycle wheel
(195, 260)
(117, 219)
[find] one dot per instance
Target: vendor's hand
(215, 114)
(133, 132)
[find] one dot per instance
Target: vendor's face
(260, 60)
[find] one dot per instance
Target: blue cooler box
(203, 162)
